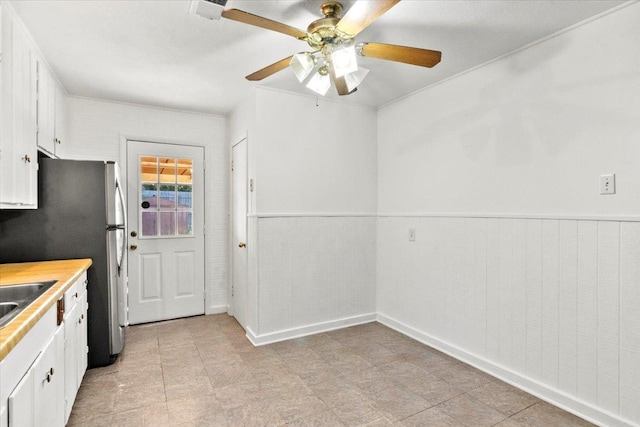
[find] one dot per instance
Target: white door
(239, 238)
(166, 231)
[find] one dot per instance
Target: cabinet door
(60, 136)
(82, 338)
(70, 359)
(46, 108)
(18, 156)
(48, 377)
(22, 402)
(37, 400)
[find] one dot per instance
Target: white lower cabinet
(75, 332)
(70, 361)
(39, 382)
(38, 399)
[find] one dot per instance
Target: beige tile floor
(202, 371)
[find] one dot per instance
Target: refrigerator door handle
(123, 211)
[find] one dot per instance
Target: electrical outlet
(412, 234)
(608, 184)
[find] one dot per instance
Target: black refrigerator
(80, 214)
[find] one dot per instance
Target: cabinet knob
(26, 158)
(133, 247)
(49, 375)
(75, 295)
(58, 141)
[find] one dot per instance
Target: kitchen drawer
(73, 294)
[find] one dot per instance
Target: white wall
(95, 129)
(312, 222)
(530, 133)
(519, 266)
(314, 159)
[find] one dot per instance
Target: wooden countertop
(65, 272)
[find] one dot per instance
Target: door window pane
(149, 223)
(185, 223)
(184, 196)
(167, 169)
(168, 223)
(166, 196)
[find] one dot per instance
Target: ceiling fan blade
(363, 13)
(408, 55)
(259, 21)
(269, 70)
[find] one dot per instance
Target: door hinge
(231, 165)
(232, 291)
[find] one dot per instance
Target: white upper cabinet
(60, 125)
(33, 113)
(18, 152)
(52, 109)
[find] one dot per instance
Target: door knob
(242, 245)
(133, 247)
(134, 234)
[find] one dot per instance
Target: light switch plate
(608, 184)
(412, 234)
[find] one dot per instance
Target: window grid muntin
(167, 184)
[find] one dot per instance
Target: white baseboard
(556, 397)
(216, 309)
(312, 329)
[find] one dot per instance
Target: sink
(15, 298)
(7, 307)
(25, 290)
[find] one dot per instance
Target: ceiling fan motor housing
(323, 31)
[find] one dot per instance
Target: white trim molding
(497, 215)
(316, 328)
(315, 215)
(216, 309)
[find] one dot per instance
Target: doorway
(165, 213)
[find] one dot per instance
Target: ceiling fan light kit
(352, 80)
(344, 60)
(320, 82)
(210, 9)
(302, 65)
(333, 41)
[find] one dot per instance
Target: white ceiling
(156, 53)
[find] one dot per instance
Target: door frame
(231, 303)
(124, 154)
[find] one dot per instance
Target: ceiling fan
(332, 40)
